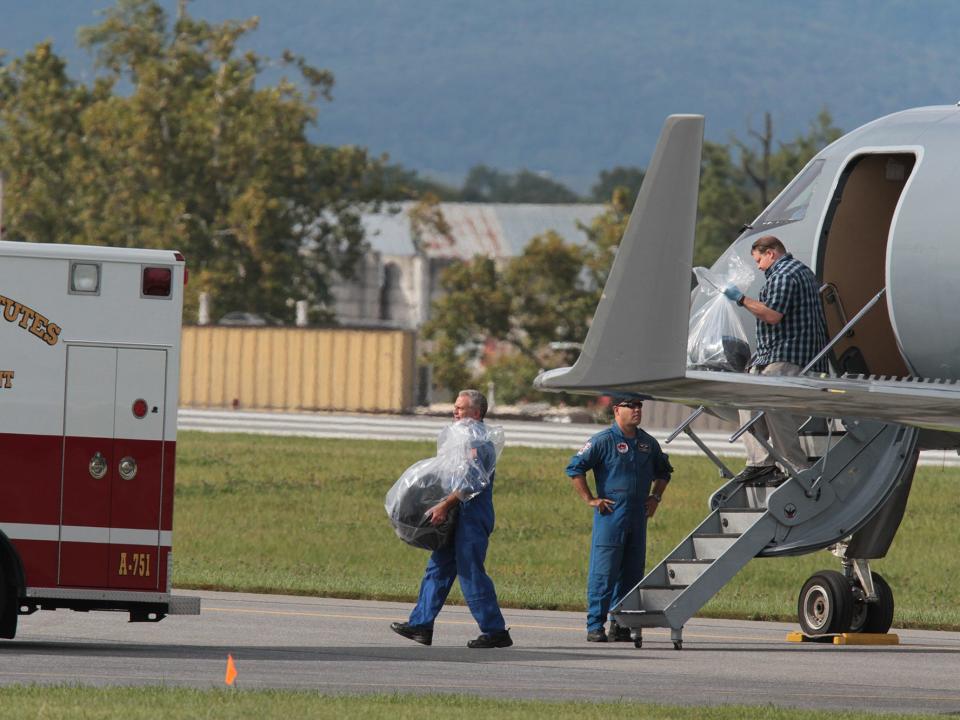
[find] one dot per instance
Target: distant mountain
(568, 87)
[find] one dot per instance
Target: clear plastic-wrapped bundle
(467, 453)
(717, 339)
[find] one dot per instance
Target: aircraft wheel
(825, 604)
(875, 617)
(678, 644)
(637, 641)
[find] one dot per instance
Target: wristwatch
(656, 497)
(741, 299)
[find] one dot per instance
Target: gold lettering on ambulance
(6, 379)
(122, 570)
(26, 316)
(11, 310)
(31, 320)
(53, 332)
(141, 565)
(39, 325)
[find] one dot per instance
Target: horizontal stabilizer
(639, 330)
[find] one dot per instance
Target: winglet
(639, 330)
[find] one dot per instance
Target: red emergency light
(157, 281)
(140, 408)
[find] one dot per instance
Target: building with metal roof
(399, 277)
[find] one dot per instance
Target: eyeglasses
(631, 405)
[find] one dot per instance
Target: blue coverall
(463, 559)
(623, 469)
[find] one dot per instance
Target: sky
(566, 87)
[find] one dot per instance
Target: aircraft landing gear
(833, 602)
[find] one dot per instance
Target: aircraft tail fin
(639, 330)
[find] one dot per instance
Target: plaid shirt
(791, 289)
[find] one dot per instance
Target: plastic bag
(717, 339)
(467, 453)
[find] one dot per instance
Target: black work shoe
(417, 633)
(500, 639)
(599, 635)
(756, 474)
(618, 633)
(775, 479)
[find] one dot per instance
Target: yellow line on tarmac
(341, 616)
(651, 631)
(376, 618)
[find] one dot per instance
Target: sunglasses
(631, 405)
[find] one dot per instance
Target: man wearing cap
(626, 462)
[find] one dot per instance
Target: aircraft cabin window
(792, 205)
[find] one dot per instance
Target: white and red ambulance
(89, 368)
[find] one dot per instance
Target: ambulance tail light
(186, 272)
(157, 282)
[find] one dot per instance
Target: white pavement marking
(519, 433)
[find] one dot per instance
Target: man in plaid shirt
(791, 330)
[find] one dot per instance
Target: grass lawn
(305, 516)
(49, 703)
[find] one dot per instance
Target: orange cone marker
(231, 671)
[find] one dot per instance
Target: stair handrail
(833, 297)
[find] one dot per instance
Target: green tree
(486, 184)
(733, 191)
(769, 171)
(400, 183)
(628, 178)
(41, 134)
(428, 227)
(510, 314)
(180, 144)
(604, 234)
(724, 206)
(474, 306)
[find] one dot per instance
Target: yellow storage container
(297, 369)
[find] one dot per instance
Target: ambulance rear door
(112, 467)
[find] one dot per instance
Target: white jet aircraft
(875, 216)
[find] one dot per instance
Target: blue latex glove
(733, 292)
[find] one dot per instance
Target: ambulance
(89, 368)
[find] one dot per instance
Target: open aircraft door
(112, 468)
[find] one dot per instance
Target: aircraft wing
(637, 341)
(921, 403)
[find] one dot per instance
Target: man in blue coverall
(625, 461)
(464, 557)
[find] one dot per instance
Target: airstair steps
(686, 572)
(738, 520)
(711, 547)
(820, 507)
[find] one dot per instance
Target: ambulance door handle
(97, 466)
(128, 468)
